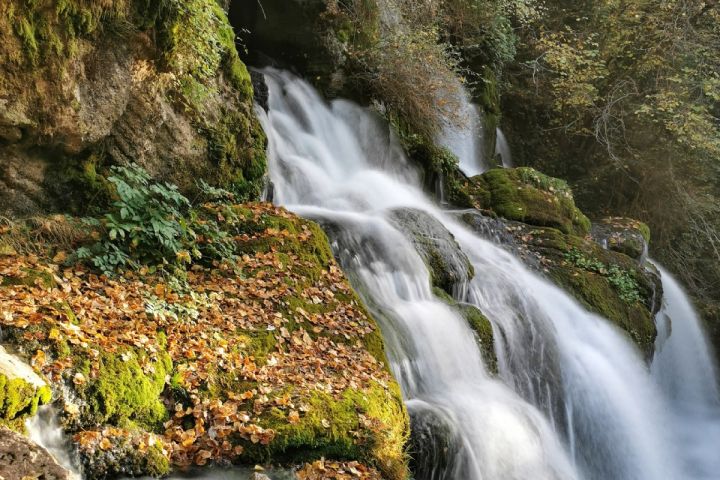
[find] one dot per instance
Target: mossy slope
(270, 358)
(95, 83)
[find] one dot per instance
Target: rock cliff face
(92, 83)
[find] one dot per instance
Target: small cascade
(502, 149)
(44, 429)
(684, 368)
(464, 135)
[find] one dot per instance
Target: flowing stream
(573, 398)
(683, 366)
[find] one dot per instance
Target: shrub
(153, 223)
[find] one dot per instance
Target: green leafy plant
(152, 223)
(623, 282)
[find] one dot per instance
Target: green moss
(483, 328)
(437, 164)
(528, 196)
(597, 294)
(126, 394)
(31, 278)
(480, 325)
(605, 282)
(20, 399)
(334, 428)
(157, 463)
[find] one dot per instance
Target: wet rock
(434, 447)
(22, 459)
(623, 235)
(260, 89)
(449, 266)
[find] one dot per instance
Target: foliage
(152, 223)
(483, 30)
(625, 94)
(626, 286)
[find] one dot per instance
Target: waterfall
(338, 164)
(573, 397)
(464, 134)
(684, 368)
(44, 429)
(502, 149)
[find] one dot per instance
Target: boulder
(623, 235)
(526, 195)
(22, 459)
(449, 267)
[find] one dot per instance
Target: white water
(502, 149)
(684, 368)
(604, 415)
(44, 429)
(328, 162)
(464, 134)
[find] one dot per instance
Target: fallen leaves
(329, 470)
(230, 378)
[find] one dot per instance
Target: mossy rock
(608, 283)
(624, 235)
(526, 195)
(447, 263)
(124, 459)
(21, 391)
(369, 425)
(135, 62)
(126, 390)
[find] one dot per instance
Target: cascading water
(44, 429)
(574, 366)
(502, 149)
(323, 169)
(604, 415)
(463, 134)
(683, 366)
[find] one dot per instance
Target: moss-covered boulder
(448, 265)
(623, 235)
(606, 282)
(21, 391)
(93, 83)
(528, 196)
(268, 356)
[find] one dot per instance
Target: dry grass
(40, 235)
